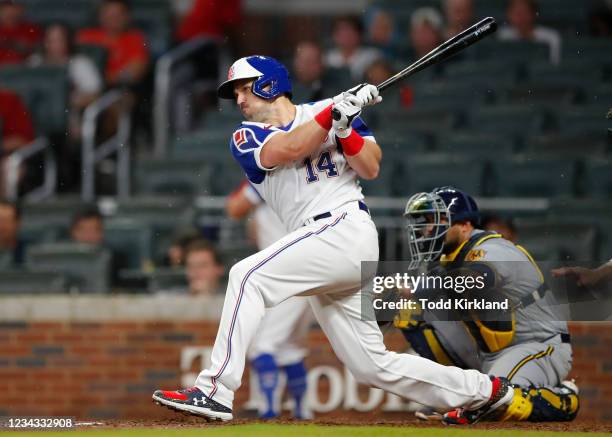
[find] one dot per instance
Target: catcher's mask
(427, 222)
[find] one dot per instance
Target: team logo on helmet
(230, 73)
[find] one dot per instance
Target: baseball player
(530, 346)
(304, 161)
(281, 340)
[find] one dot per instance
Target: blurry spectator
(307, 72)
(18, 38)
(204, 268)
(382, 32)
(459, 16)
(128, 57)
(349, 51)
(16, 129)
(10, 219)
(425, 31)
(88, 227)
(214, 18)
(522, 15)
(600, 19)
(86, 83)
(501, 226)
(175, 256)
(381, 70)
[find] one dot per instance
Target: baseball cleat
(193, 401)
(501, 396)
(428, 415)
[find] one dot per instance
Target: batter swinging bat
(447, 49)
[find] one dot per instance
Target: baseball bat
(445, 50)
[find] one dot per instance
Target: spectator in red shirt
(215, 18)
(128, 56)
(16, 129)
(17, 37)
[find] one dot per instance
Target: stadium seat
(416, 120)
(587, 49)
(510, 51)
(45, 92)
(176, 177)
(130, 242)
(489, 73)
(423, 173)
(513, 121)
(87, 267)
(202, 144)
(475, 145)
(598, 178)
(168, 280)
(589, 119)
(534, 176)
(450, 94)
(568, 144)
(563, 15)
(6, 259)
(570, 70)
(97, 54)
(163, 215)
(543, 93)
(22, 281)
(154, 18)
(552, 240)
(74, 13)
(50, 219)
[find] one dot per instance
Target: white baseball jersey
(318, 184)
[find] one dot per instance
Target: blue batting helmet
(267, 72)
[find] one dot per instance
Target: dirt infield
(357, 419)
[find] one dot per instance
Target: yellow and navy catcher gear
(544, 404)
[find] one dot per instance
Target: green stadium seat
(568, 144)
(589, 119)
(587, 49)
(335, 80)
(19, 282)
(163, 215)
(598, 178)
(87, 267)
(6, 259)
(563, 15)
(45, 92)
(130, 242)
(168, 280)
(450, 94)
(534, 176)
(587, 212)
(423, 173)
(513, 121)
(49, 220)
(488, 73)
(74, 13)
(543, 93)
(553, 241)
(155, 19)
(175, 177)
(475, 145)
(570, 70)
(415, 120)
(203, 144)
(510, 51)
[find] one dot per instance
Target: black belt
(566, 338)
(362, 206)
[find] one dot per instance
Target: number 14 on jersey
(324, 164)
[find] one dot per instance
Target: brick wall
(109, 369)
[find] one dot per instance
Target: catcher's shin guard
(556, 404)
(519, 409)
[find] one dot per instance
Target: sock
(296, 386)
(267, 374)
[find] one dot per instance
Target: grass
(272, 430)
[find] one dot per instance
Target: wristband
(324, 118)
(352, 144)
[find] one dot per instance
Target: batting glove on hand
(368, 95)
(348, 93)
(343, 115)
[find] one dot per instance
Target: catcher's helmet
(268, 71)
(430, 215)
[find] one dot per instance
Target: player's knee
(238, 271)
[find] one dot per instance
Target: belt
(566, 338)
(328, 214)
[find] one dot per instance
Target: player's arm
(241, 202)
(362, 154)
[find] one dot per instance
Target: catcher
(528, 343)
